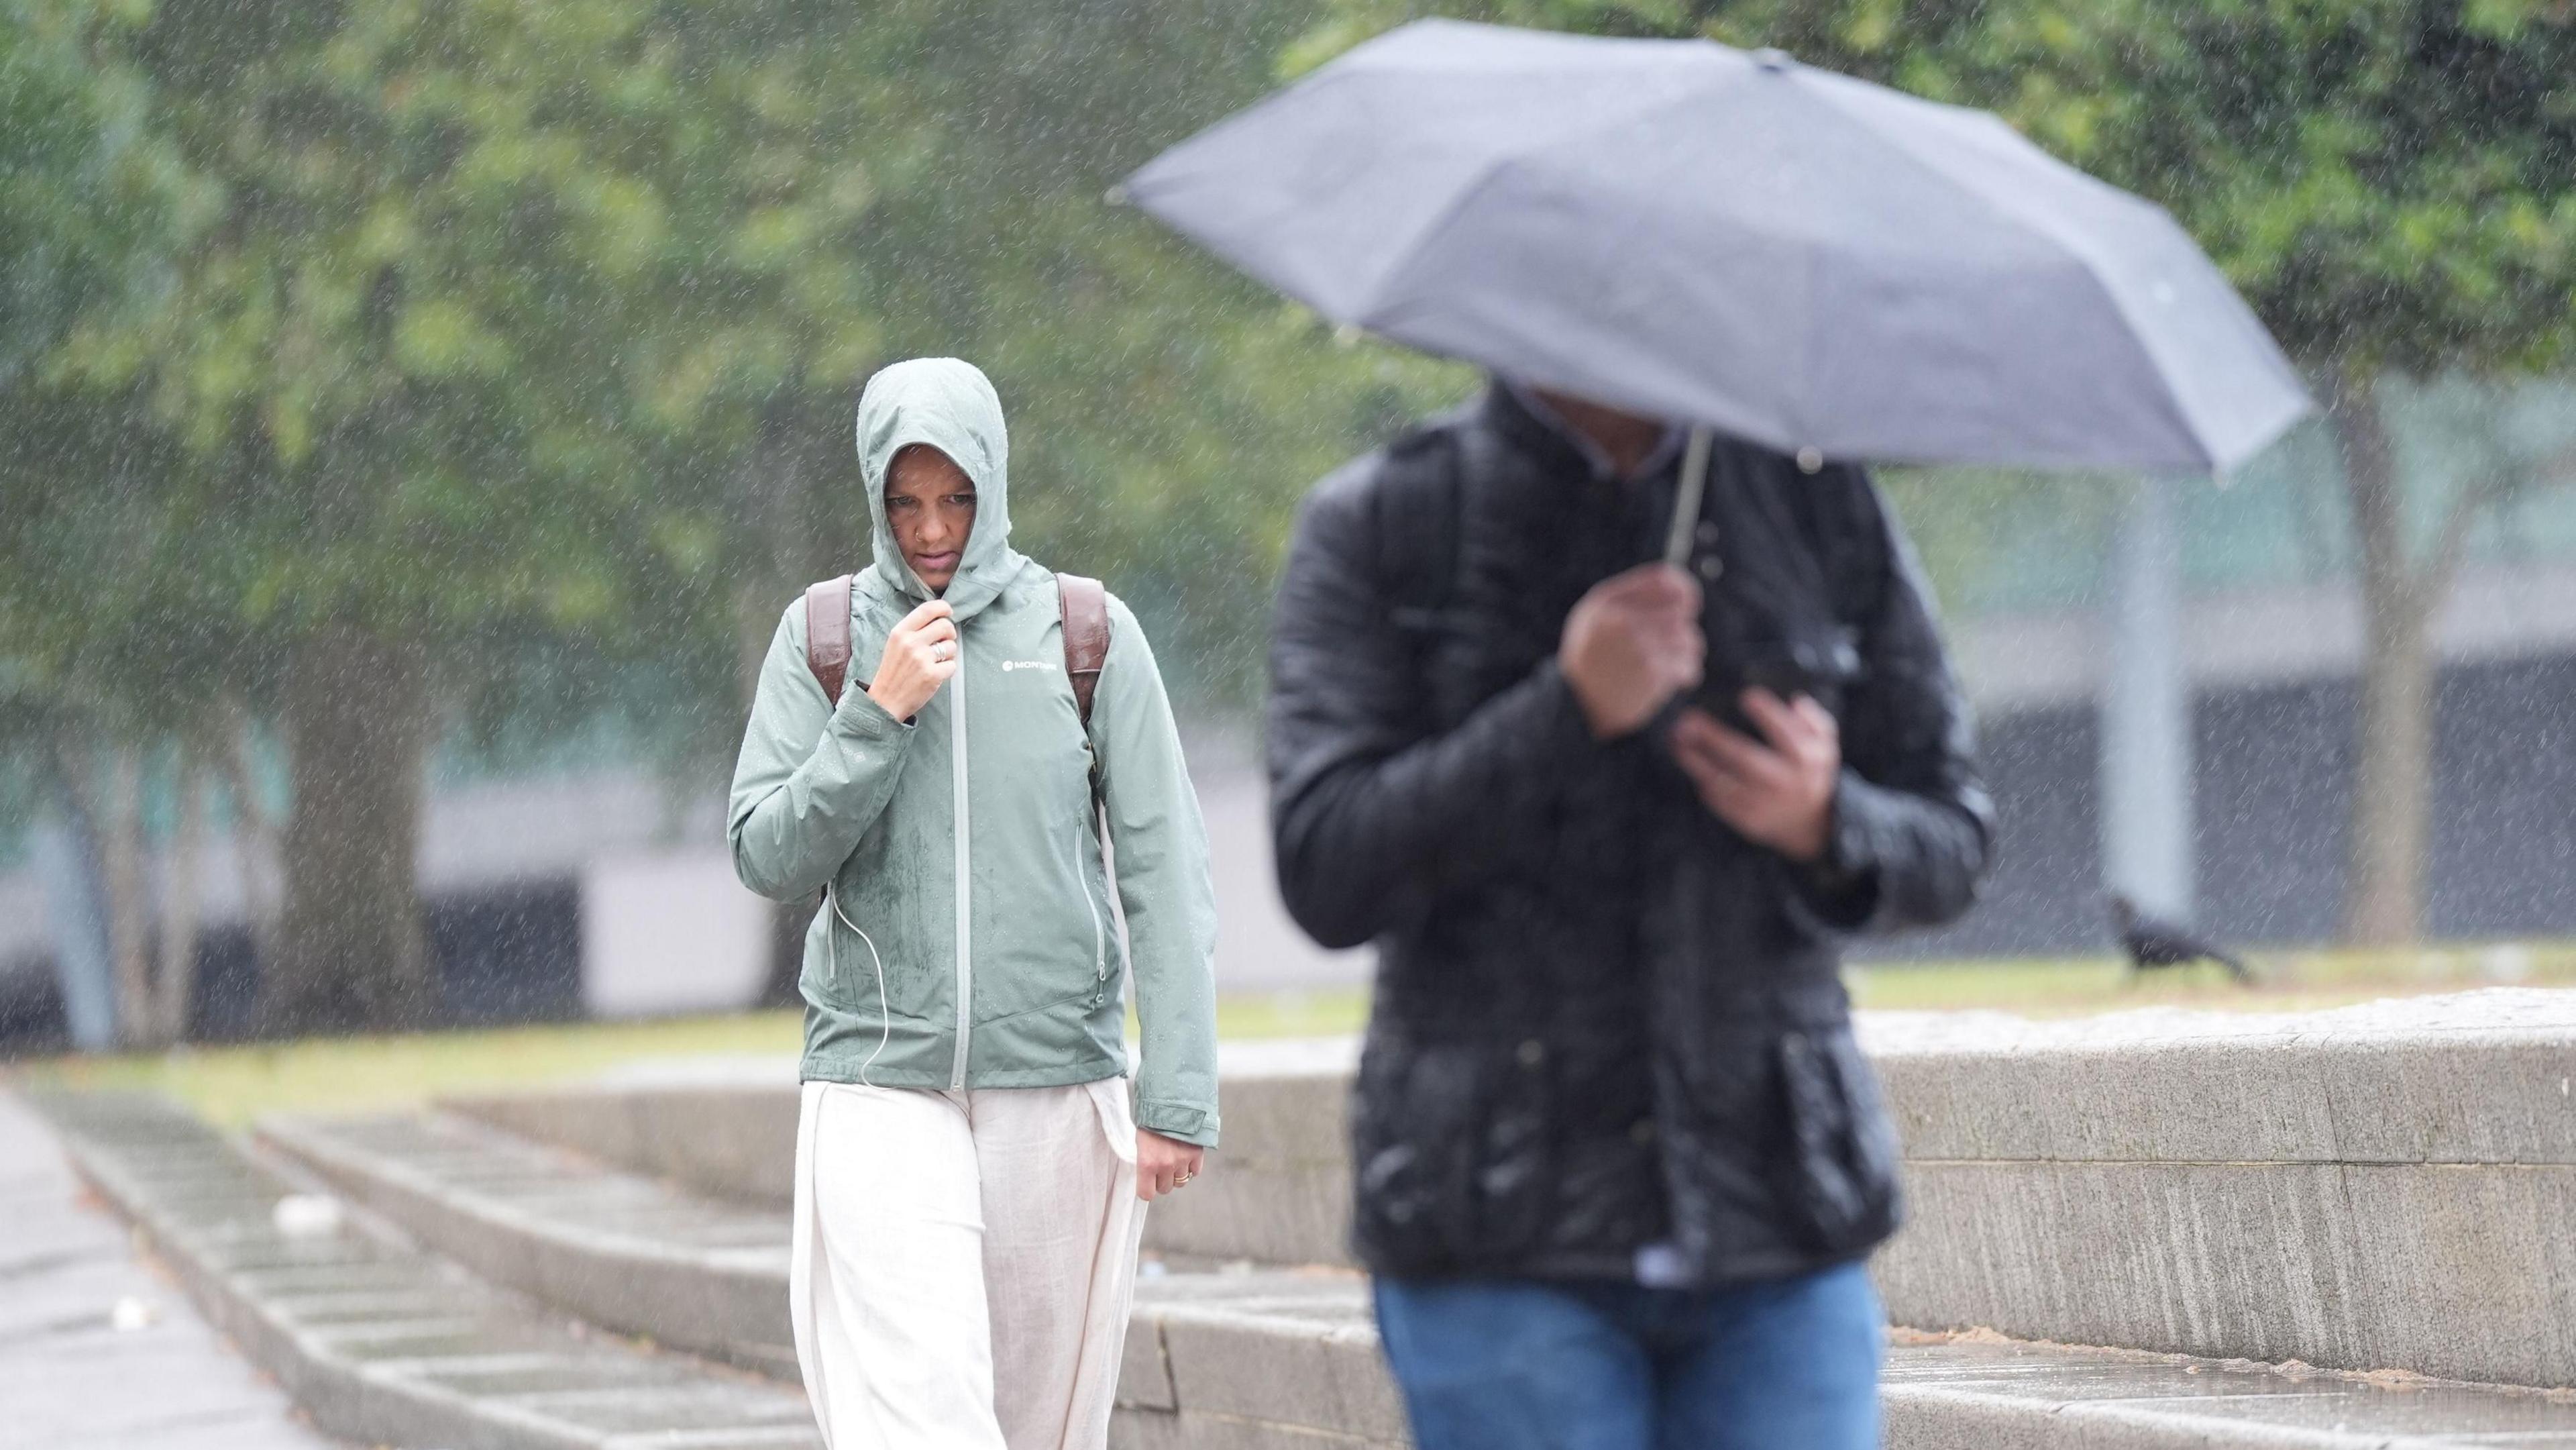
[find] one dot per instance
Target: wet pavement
(386, 1344)
(99, 1351)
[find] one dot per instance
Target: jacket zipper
(965, 912)
(1099, 936)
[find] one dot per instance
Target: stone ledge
(1288, 1349)
(2456, 1271)
(1980, 1390)
(733, 1139)
(622, 1252)
(1266, 1362)
(385, 1345)
(2470, 1077)
(633, 1254)
(2385, 1185)
(2374, 1186)
(1277, 1193)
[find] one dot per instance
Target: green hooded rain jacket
(968, 939)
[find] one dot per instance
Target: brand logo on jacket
(1010, 665)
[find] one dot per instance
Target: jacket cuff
(1193, 1125)
(1839, 890)
(859, 714)
(1563, 728)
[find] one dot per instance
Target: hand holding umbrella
(1632, 644)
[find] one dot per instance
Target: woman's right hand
(919, 657)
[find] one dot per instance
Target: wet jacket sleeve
(1163, 887)
(812, 776)
(1913, 828)
(1367, 813)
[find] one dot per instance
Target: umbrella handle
(1686, 499)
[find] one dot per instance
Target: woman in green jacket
(970, 1167)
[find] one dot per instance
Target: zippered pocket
(1842, 1163)
(865, 971)
(1054, 955)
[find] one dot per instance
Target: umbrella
(1818, 264)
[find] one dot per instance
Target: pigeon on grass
(2153, 944)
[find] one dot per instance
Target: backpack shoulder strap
(1418, 504)
(1085, 607)
(827, 635)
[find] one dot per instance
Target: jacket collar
(1526, 417)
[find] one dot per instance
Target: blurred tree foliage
(2391, 184)
(95, 205)
(499, 359)
(378, 367)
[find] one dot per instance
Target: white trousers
(964, 1263)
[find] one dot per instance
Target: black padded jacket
(1602, 1019)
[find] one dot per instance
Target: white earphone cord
(832, 953)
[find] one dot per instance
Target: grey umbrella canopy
(1735, 240)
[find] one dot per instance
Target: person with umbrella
(1618, 1157)
(1609, 730)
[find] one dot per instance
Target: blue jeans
(1520, 1364)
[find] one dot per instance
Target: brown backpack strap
(827, 635)
(1086, 636)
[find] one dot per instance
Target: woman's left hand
(1163, 1164)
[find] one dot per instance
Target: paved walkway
(70, 1377)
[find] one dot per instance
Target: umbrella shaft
(1686, 500)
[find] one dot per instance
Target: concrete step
(1277, 1193)
(630, 1253)
(732, 1136)
(1280, 1357)
(640, 1255)
(2376, 1187)
(85, 1318)
(1266, 1366)
(1978, 1389)
(2388, 1186)
(383, 1343)
(1259, 1367)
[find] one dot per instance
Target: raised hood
(951, 406)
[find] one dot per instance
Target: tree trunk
(179, 902)
(351, 953)
(2390, 818)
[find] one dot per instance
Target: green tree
(443, 372)
(2391, 183)
(511, 370)
(1165, 414)
(94, 203)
